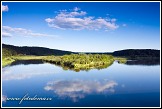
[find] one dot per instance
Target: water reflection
(77, 89)
(64, 67)
(26, 62)
(129, 62)
(9, 72)
(85, 68)
(92, 88)
(4, 98)
(144, 62)
(9, 75)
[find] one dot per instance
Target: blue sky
(82, 27)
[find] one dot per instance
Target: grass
(30, 57)
(8, 60)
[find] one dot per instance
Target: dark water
(119, 85)
(147, 62)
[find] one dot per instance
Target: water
(119, 85)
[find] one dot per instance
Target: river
(119, 85)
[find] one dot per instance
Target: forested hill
(42, 51)
(138, 53)
(38, 51)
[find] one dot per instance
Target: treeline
(6, 56)
(41, 51)
(6, 52)
(138, 53)
(37, 51)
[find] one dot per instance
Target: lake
(120, 85)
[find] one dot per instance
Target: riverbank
(8, 60)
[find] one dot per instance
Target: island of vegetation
(81, 61)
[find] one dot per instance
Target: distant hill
(38, 51)
(133, 53)
(42, 51)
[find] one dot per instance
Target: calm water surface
(116, 86)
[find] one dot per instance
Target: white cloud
(49, 20)
(78, 20)
(124, 25)
(76, 9)
(9, 31)
(76, 89)
(4, 8)
(5, 34)
(113, 20)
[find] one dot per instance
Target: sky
(82, 26)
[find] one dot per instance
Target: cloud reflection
(9, 74)
(4, 98)
(77, 89)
